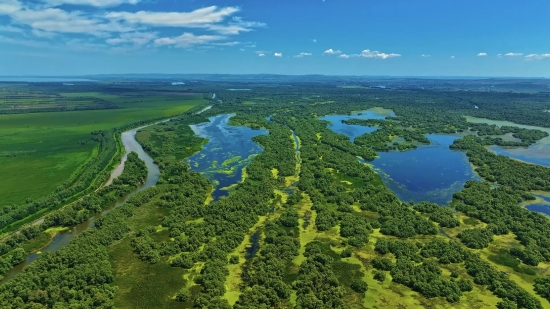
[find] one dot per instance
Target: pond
(429, 173)
(539, 153)
(353, 131)
(229, 149)
(543, 206)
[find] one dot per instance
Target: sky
(332, 37)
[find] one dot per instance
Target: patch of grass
(37, 243)
(470, 221)
(231, 160)
(142, 285)
(505, 258)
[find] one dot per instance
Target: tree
(359, 286)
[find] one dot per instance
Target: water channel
(63, 238)
(229, 149)
(429, 173)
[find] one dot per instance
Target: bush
(359, 286)
(379, 276)
(346, 253)
(234, 259)
(183, 295)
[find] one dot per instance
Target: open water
(228, 150)
(429, 173)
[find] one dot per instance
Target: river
(63, 238)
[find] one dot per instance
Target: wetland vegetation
(292, 197)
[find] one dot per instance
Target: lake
(228, 150)
(539, 153)
(429, 173)
(353, 131)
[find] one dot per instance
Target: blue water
(352, 131)
(536, 154)
(542, 208)
(429, 173)
(225, 142)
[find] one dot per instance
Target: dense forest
(309, 225)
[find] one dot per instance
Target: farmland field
(40, 150)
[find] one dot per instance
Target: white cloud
(452, 57)
(278, 55)
(426, 56)
(314, 40)
(187, 39)
(537, 56)
(99, 3)
(136, 38)
(332, 52)
(367, 53)
(57, 20)
(9, 7)
(43, 34)
(227, 43)
(302, 55)
(116, 28)
(12, 29)
(482, 54)
(197, 18)
(261, 55)
(208, 18)
(513, 54)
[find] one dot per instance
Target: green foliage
(234, 259)
(359, 286)
(289, 218)
(379, 276)
(542, 287)
(183, 295)
(346, 253)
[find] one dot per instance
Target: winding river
(62, 239)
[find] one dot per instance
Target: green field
(39, 151)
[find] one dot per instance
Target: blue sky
(344, 37)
